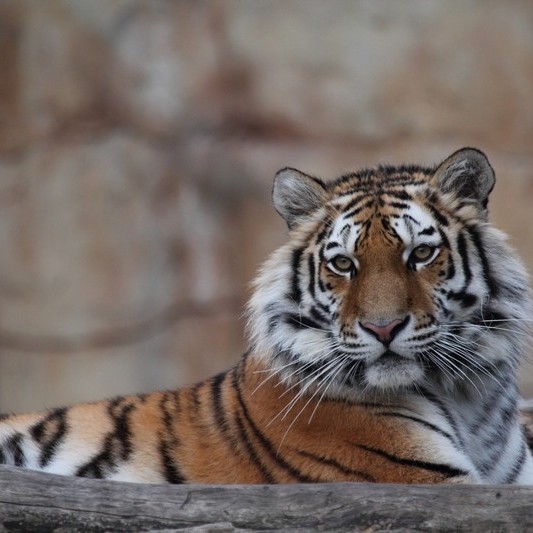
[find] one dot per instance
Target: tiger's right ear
(296, 195)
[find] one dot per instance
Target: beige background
(138, 141)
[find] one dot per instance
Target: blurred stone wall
(138, 140)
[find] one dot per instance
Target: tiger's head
(392, 279)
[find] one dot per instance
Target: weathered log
(33, 501)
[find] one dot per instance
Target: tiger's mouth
(392, 370)
(389, 356)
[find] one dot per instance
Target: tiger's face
(385, 271)
(391, 279)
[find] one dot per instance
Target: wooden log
(34, 501)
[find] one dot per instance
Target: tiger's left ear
(296, 195)
(468, 174)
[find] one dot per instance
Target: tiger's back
(385, 341)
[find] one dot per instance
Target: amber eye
(422, 253)
(341, 264)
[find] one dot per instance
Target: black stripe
(266, 444)
(296, 292)
(463, 252)
(359, 209)
(49, 433)
(119, 410)
(446, 413)
(317, 315)
(441, 219)
(399, 194)
(428, 425)
(325, 309)
(493, 320)
(463, 296)
(14, 445)
(219, 411)
(311, 266)
(335, 464)
(302, 322)
(117, 445)
(427, 231)
(397, 205)
(218, 406)
(92, 469)
(353, 202)
(243, 434)
(487, 270)
(170, 470)
(374, 405)
(447, 470)
(252, 454)
(407, 217)
(451, 269)
(168, 441)
(100, 463)
(421, 337)
(466, 299)
(166, 416)
(321, 285)
(519, 463)
(451, 263)
(346, 228)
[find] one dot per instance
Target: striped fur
(385, 338)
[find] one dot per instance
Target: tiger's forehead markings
(345, 232)
(386, 198)
(415, 226)
(381, 179)
(394, 212)
(376, 195)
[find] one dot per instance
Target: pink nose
(385, 333)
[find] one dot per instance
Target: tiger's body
(385, 338)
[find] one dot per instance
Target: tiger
(385, 338)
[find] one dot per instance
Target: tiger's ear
(468, 174)
(296, 195)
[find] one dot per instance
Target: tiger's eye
(422, 253)
(342, 264)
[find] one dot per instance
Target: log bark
(34, 501)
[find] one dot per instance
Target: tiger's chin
(392, 371)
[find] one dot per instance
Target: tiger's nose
(385, 332)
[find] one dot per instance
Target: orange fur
(254, 443)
